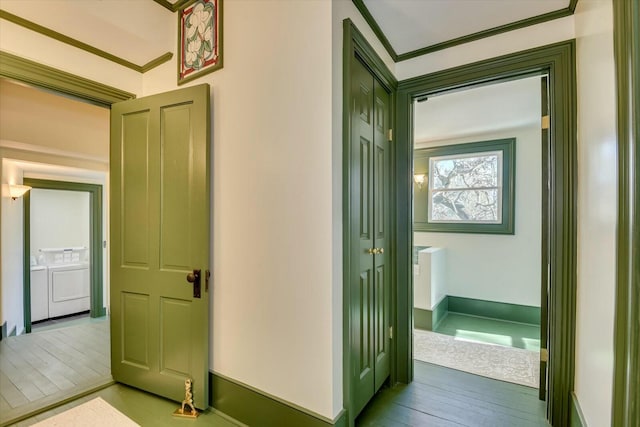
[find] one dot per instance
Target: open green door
(159, 182)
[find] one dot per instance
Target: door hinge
(390, 332)
(545, 122)
(390, 135)
(544, 355)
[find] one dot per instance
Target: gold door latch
(375, 251)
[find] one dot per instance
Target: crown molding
(561, 13)
(83, 46)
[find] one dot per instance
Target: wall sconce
(419, 179)
(16, 191)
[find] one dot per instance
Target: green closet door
(369, 254)
(159, 182)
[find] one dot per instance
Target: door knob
(371, 251)
(194, 277)
(380, 250)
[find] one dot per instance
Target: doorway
(558, 62)
(478, 228)
(85, 261)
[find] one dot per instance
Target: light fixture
(16, 190)
(419, 179)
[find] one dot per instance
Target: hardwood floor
(443, 397)
(42, 368)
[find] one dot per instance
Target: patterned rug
(95, 413)
(494, 361)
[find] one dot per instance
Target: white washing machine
(39, 293)
(68, 289)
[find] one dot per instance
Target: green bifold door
(369, 282)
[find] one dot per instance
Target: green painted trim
(26, 259)
(534, 20)
(81, 45)
(26, 71)
(220, 64)
(355, 45)
(165, 4)
(557, 60)
(255, 407)
(95, 236)
(440, 312)
(422, 319)
(155, 62)
(495, 310)
(577, 417)
(626, 382)
(364, 11)
(508, 148)
(172, 7)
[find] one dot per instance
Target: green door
(370, 280)
(159, 182)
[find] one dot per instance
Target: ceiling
(408, 28)
(476, 111)
(137, 29)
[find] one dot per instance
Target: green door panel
(381, 217)
(370, 281)
(159, 233)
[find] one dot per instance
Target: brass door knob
(371, 251)
(380, 250)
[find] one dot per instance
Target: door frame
(96, 237)
(626, 381)
(354, 44)
(558, 62)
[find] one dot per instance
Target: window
(465, 188)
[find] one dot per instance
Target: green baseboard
(256, 408)
(576, 418)
(422, 319)
(440, 311)
(494, 310)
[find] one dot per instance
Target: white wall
(494, 267)
(273, 318)
(597, 209)
(12, 249)
(59, 219)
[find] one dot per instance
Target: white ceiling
(476, 111)
(136, 30)
(414, 24)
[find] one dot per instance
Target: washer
(68, 289)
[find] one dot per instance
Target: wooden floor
(47, 366)
(443, 397)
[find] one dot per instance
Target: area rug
(95, 413)
(514, 365)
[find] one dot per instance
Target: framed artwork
(199, 39)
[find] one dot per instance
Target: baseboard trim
(440, 312)
(576, 419)
(3, 330)
(13, 332)
(255, 407)
(494, 310)
(422, 319)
